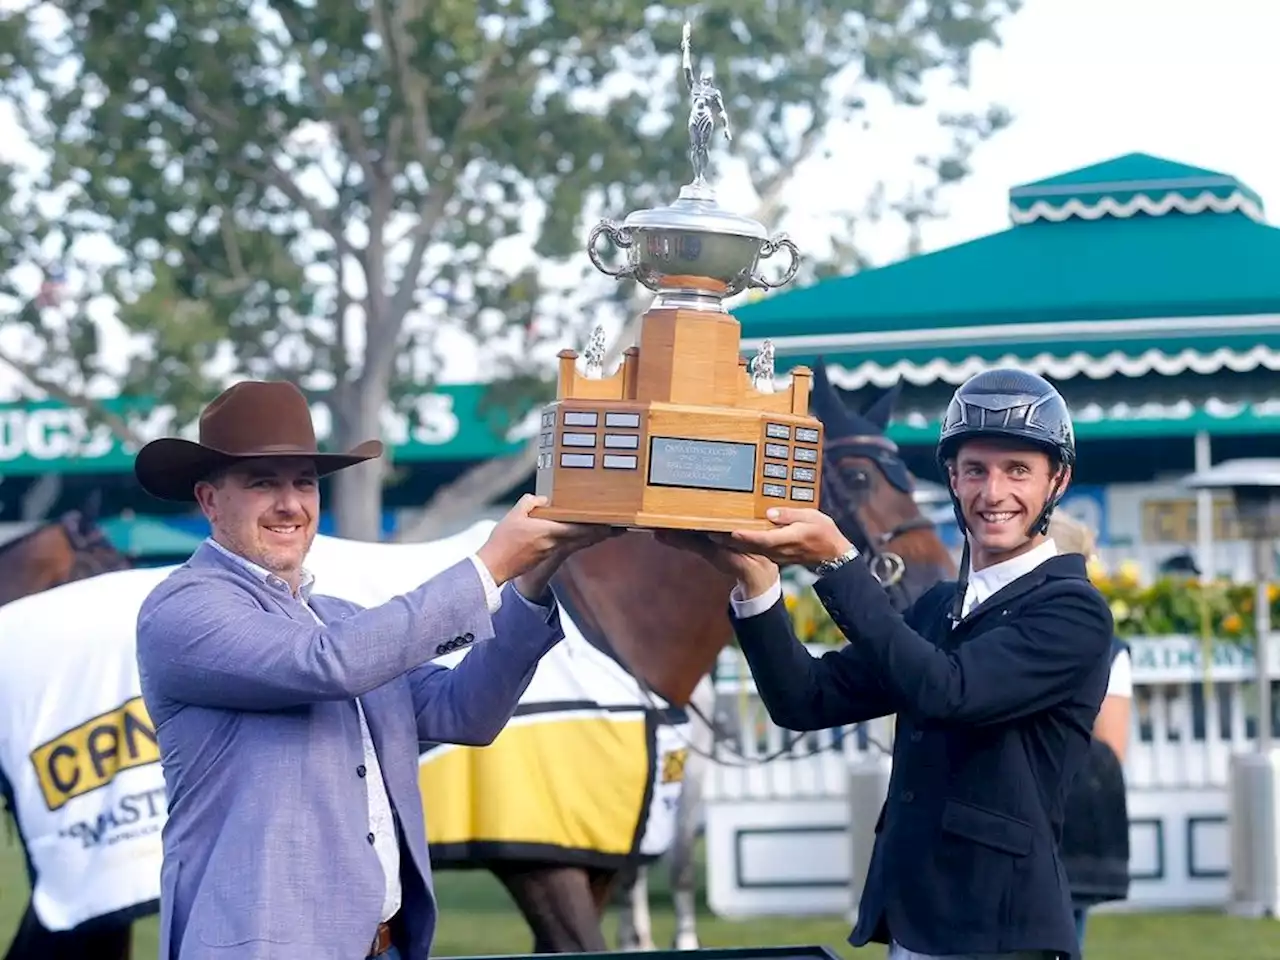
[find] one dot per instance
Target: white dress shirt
(381, 822)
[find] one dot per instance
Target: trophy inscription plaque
(684, 434)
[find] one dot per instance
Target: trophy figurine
(685, 434)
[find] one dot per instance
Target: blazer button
(469, 637)
(916, 736)
(442, 649)
(360, 770)
(370, 839)
(907, 797)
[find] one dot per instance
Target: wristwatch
(827, 566)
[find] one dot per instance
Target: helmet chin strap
(962, 582)
(1039, 526)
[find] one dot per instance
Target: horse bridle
(885, 565)
(92, 553)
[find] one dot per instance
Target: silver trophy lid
(702, 215)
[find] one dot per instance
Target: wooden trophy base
(678, 438)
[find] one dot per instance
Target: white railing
(775, 787)
(1182, 736)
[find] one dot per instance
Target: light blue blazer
(266, 850)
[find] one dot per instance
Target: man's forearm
(800, 691)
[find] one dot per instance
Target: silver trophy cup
(694, 253)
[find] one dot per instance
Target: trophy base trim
(652, 521)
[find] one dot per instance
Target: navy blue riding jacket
(995, 717)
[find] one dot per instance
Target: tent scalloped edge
(1235, 202)
(1055, 368)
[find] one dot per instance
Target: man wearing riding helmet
(996, 680)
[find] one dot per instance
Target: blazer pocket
(987, 827)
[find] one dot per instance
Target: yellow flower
(1097, 570)
(791, 600)
(1119, 611)
(1232, 623)
(1273, 592)
(1130, 573)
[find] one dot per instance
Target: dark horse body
(669, 645)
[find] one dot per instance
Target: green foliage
(315, 189)
(1182, 606)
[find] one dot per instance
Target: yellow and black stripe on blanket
(571, 782)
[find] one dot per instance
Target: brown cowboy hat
(250, 420)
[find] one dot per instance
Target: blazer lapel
(1006, 594)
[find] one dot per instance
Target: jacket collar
(1063, 566)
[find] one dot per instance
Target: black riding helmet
(1015, 405)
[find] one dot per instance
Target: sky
(1086, 80)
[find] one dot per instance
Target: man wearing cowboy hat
(288, 722)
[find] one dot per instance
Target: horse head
(868, 490)
(72, 547)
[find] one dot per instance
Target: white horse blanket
(78, 751)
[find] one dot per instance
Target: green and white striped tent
(1147, 290)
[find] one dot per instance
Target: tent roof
(1131, 266)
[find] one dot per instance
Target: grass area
(478, 918)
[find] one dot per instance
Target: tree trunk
(357, 502)
(357, 491)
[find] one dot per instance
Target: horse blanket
(599, 759)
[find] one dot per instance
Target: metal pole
(1263, 566)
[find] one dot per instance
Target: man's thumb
(781, 515)
(527, 502)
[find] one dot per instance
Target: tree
(318, 190)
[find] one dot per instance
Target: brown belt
(381, 941)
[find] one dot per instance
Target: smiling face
(265, 511)
(1002, 487)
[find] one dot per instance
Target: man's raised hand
(519, 543)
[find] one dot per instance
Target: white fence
(778, 815)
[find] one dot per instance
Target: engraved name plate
(702, 464)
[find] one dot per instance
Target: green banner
(450, 423)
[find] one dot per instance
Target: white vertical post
(1204, 510)
(1263, 564)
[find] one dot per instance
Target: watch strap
(835, 563)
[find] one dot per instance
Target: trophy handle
(621, 238)
(768, 249)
